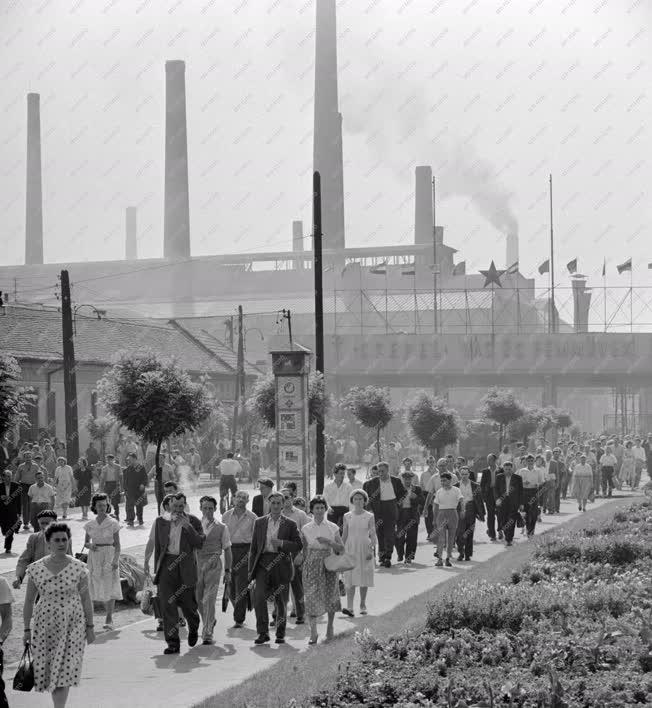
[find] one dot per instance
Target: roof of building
(36, 334)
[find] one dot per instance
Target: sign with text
(291, 370)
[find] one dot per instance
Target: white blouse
(327, 529)
(102, 533)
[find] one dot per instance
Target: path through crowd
(126, 667)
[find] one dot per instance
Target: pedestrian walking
(26, 476)
(488, 490)
(472, 508)
(509, 501)
(134, 480)
(384, 492)
(320, 539)
(582, 482)
(36, 547)
(300, 518)
(111, 483)
(63, 485)
(209, 565)
(9, 509)
(41, 497)
(103, 542)
(83, 475)
(240, 523)
(608, 463)
(175, 572)
(337, 494)
(60, 624)
(275, 539)
(359, 539)
(410, 508)
(534, 478)
(230, 470)
(447, 504)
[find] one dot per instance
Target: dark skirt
(84, 479)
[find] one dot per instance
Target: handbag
(339, 563)
(24, 678)
(146, 597)
(83, 557)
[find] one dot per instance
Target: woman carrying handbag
(321, 539)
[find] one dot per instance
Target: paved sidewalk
(126, 667)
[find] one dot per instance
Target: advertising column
(291, 370)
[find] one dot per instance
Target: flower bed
(572, 629)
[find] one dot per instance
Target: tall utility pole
(553, 309)
(239, 379)
(434, 242)
(69, 375)
(320, 451)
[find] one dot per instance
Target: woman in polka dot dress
(62, 618)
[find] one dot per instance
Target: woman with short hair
(321, 538)
(62, 619)
(84, 480)
(103, 542)
(359, 538)
(63, 484)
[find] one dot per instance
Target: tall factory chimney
(176, 225)
(297, 241)
(511, 252)
(34, 192)
(423, 211)
(131, 234)
(327, 146)
(581, 303)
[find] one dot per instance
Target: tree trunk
(378, 443)
(158, 479)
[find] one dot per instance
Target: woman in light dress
(103, 542)
(63, 484)
(582, 482)
(628, 467)
(359, 538)
(320, 588)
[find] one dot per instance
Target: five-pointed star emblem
(492, 275)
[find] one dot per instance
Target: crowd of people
(286, 550)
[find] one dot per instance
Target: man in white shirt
(435, 481)
(504, 456)
(352, 479)
(41, 497)
(229, 470)
(337, 494)
(533, 481)
(608, 463)
(447, 504)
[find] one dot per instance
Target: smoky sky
(494, 94)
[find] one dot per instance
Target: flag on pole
(572, 266)
(460, 268)
(513, 269)
(544, 267)
(623, 267)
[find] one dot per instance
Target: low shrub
(572, 629)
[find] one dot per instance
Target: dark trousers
(239, 580)
(173, 594)
(386, 528)
(607, 480)
(336, 515)
(297, 591)
(490, 503)
(465, 530)
(557, 496)
(131, 502)
(25, 503)
(507, 514)
(228, 484)
(430, 524)
(112, 490)
(34, 510)
(407, 529)
(531, 503)
(565, 479)
(9, 525)
(271, 583)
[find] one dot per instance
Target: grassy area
(304, 675)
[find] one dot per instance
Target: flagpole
(434, 246)
(416, 311)
(386, 305)
(553, 314)
(604, 287)
(631, 298)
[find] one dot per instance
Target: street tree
(263, 399)
(15, 399)
(433, 423)
(155, 399)
(372, 408)
(501, 406)
(563, 419)
(99, 428)
(527, 424)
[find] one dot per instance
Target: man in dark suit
(260, 504)
(410, 508)
(488, 489)
(9, 508)
(276, 539)
(472, 509)
(509, 500)
(175, 570)
(134, 480)
(384, 493)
